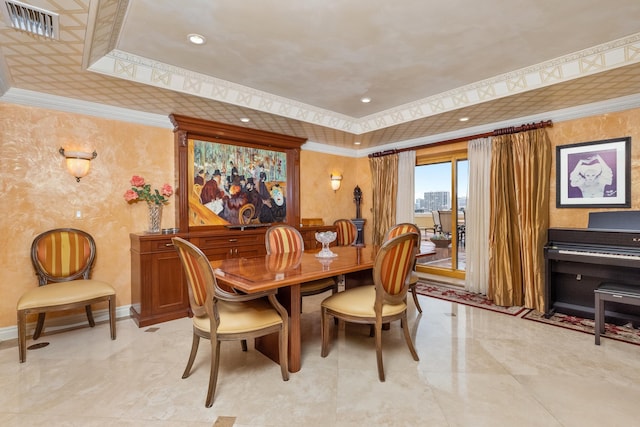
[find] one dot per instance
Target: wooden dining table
(285, 272)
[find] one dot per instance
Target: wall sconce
(335, 182)
(78, 162)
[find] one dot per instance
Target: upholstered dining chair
(62, 259)
(382, 302)
(283, 238)
(396, 230)
(224, 315)
(347, 232)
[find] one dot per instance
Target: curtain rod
(496, 132)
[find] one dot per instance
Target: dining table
(285, 272)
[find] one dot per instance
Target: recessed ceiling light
(357, 143)
(365, 99)
(463, 119)
(196, 39)
(245, 119)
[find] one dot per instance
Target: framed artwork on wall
(230, 176)
(236, 185)
(594, 174)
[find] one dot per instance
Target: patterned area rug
(460, 296)
(624, 333)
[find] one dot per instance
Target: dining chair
(382, 302)
(283, 238)
(347, 232)
(396, 230)
(437, 228)
(63, 259)
(224, 315)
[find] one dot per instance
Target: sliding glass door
(441, 198)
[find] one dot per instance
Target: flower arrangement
(140, 190)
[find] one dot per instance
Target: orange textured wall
(40, 194)
(318, 200)
(606, 126)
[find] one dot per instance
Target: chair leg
(92, 322)
(22, 335)
(39, 326)
(194, 349)
(112, 316)
(324, 328)
(378, 327)
(407, 337)
(283, 337)
(213, 373)
(415, 298)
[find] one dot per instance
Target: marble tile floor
(476, 368)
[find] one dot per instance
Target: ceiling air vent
(31, 19)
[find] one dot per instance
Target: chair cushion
(359, 302)
(317, 285)
(413, 278)
(241, 317)
(63, 293)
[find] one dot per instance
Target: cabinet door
(168, 287)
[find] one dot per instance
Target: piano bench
(616, 292)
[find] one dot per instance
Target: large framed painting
(594, 174)
(236, 185)
(234, 177)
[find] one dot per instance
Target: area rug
(624, 333)
(460, 296)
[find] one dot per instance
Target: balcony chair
(382, 302)
(63, 259)
(223, 315)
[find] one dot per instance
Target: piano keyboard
(618, 255)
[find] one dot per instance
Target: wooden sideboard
(158, 285)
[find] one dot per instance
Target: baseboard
(65, 322)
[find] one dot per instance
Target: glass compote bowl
(326, 237)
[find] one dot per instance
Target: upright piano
(578, 260)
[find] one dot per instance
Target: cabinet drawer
(236, 239)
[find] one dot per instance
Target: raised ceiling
(301, 67)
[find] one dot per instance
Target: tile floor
(476, 368)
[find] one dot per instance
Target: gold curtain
(384, 171)
(520, 178)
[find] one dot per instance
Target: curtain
(405, 204)
(477, 216)
(520, 177)
(384, 172)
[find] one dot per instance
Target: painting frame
(594, 174)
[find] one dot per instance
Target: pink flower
(130, 195)
(166, 190)
(137, 181)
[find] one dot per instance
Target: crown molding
(37, 99)
(69, 105)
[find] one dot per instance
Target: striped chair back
(199, 274)
(283, 239)
(393, 266)
(402, 228)
(347, 232)
(62, 255)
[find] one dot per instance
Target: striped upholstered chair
(224, 315)
(63, 259)
(381, 302)
(347, 232)
(284, 238)
(396, 230)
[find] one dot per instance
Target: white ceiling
(301, 67)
